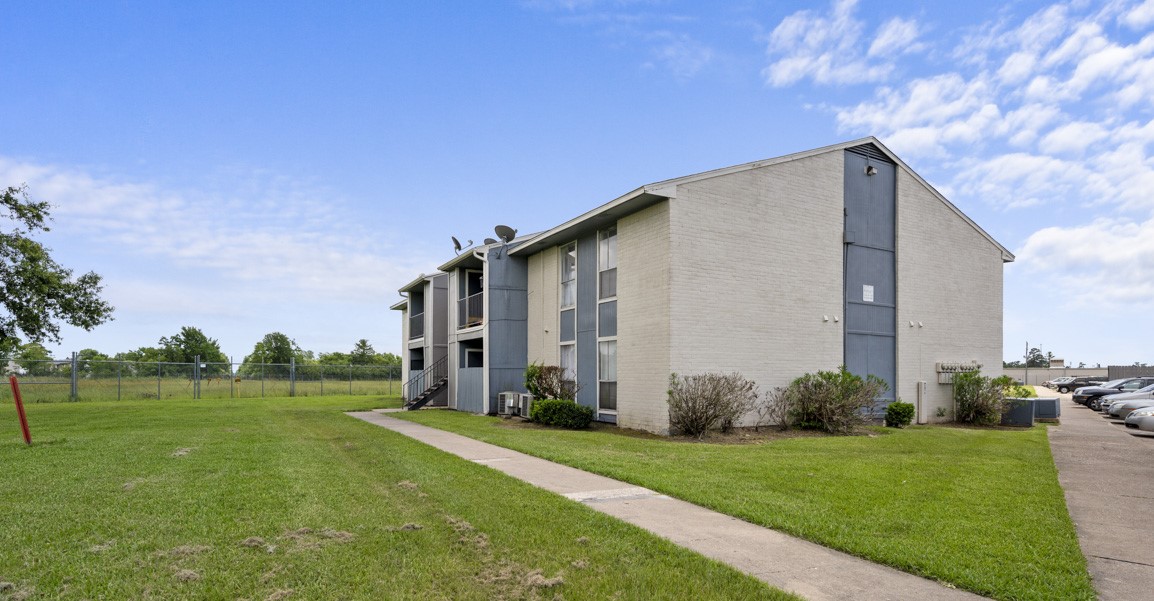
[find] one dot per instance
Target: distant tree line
(190, 343)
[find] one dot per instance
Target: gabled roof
(400, 305)
(656, 192)
(467, 259)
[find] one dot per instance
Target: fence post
(292, 376)
(196, 377)
(119, 369)
(231, 379)
(262, 377)
(72, 394)
(158, 365)
(322, 368)
(350, 379)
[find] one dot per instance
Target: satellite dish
(457, 244)
(491, 241)
(505, 233)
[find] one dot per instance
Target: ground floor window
(607, 375)
(569, 364)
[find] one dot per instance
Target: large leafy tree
(277, 348)
(36, 292)
(189, 344)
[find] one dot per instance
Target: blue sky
(255, 167)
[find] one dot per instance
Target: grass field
(981, 509)
(176, 388)
(288, 498)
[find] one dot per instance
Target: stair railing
(425, 380)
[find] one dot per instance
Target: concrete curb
(801, 567)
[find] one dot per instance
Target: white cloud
(1074, 138)
(1139, 17)
(681, 54)
(896, 36)
(273, 234)
(827, 48)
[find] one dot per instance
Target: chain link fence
(79, 380)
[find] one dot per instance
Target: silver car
(1146, 392)
(1120, 409)
(1138, 416)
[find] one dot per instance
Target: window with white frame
(607, 262)
(569, 275)
(569, 365)
(607, 375)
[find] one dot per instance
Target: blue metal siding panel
(870, 268)
(587, 320)
(471, 389)
(507, 323)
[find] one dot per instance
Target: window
(569, 364)
(607, 375)
(607, 262)
(569, 275)
(474, 357)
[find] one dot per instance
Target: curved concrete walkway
(801, 567)
(1108, 477)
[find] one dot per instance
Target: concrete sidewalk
(798, 566)
(1108, 477)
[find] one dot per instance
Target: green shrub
(706, 401)
(979, 399)
(562, 413)
(1012, 389)
(548, 382)
(899, 414)
(832, 401)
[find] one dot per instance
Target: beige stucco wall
(757, 271)
(643, 318)
(949, 279)
(543, 297)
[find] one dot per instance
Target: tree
(334, 358)
(274, 348)
(35, 359)
(362, 353)
(190, 343)
(36, 292)
(1012, 364)
(1035, 358)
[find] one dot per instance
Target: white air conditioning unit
(525, 404)
(508, 402)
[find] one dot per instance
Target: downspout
(481, 255)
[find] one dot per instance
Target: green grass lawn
(288, 498)
(981, 509)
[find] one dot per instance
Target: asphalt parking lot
(1107, 474)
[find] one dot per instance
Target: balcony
(417, 326)
(471, 311)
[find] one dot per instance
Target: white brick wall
(757, 267)
(643, 285)
(543, 323)
(950, 280)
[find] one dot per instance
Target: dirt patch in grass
(10, 591)
(279, 594)
(407, 485)
(101, 547)
(185, 575)
(181, 452)
(186, 550)
(308, 539)
(515, 581)
(467, 534)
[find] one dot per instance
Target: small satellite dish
(457, 244)
(491, 241)
(505, 233)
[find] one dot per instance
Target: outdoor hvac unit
(508, 403)
(525, 403)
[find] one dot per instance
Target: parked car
(1056, 382)
(1120, 409)
(1105, 402)
(1089, 395)
(1137, 416)
(1081, 381)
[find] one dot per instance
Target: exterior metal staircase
(422, 388)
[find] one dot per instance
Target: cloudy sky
(255, 167)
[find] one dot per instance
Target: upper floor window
(607, 262)
(569, 275)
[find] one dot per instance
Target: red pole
(20, 409)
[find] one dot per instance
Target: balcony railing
(416, 326)
(471, 311)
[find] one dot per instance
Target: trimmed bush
(979, 399)
(562, 413)
(832, 401)
(899, 414)
(702, 402)
(548, 382)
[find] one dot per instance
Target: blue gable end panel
(870, 267)
(587, 320)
